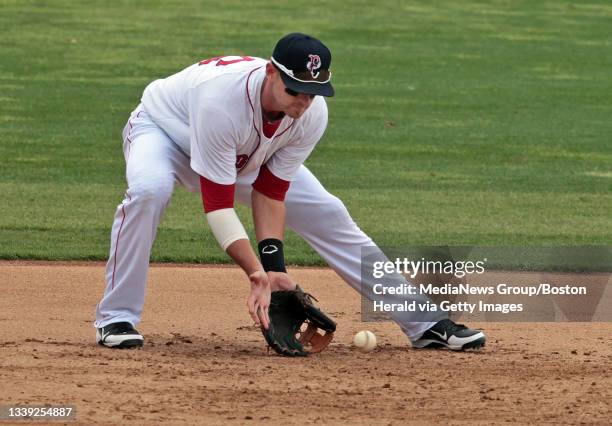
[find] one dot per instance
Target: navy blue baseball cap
(304, 64)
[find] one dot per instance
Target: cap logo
(313, 65)
(313, 73)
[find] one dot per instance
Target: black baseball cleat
(447, 334)
(119, 335)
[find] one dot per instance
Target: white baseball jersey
(212, 111)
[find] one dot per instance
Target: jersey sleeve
(216, 196)
(285, 162)
(270, 185)
(213, 137)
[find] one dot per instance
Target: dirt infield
(203, 361)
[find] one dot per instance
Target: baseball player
(240, 128)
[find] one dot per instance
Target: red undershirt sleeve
(270, 185)
(216, 196)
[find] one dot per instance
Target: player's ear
(270, 70)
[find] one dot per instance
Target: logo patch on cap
(313, 65)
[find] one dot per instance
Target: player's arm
(268, 216)
(268, 206)
(270, 188)
(213, 155)
(218, 202)
(268, 202)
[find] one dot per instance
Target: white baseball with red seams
(365, 340)
(207, 121)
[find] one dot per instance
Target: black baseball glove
(289, 311)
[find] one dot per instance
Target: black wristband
(271, 255)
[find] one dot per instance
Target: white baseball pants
(155, 165)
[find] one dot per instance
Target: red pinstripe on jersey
(254, 115)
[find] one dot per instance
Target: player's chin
(295, 112)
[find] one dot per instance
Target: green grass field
(455, 122)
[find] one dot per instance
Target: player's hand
(258, 302)
(280, 281)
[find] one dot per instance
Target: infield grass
(455, 122)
